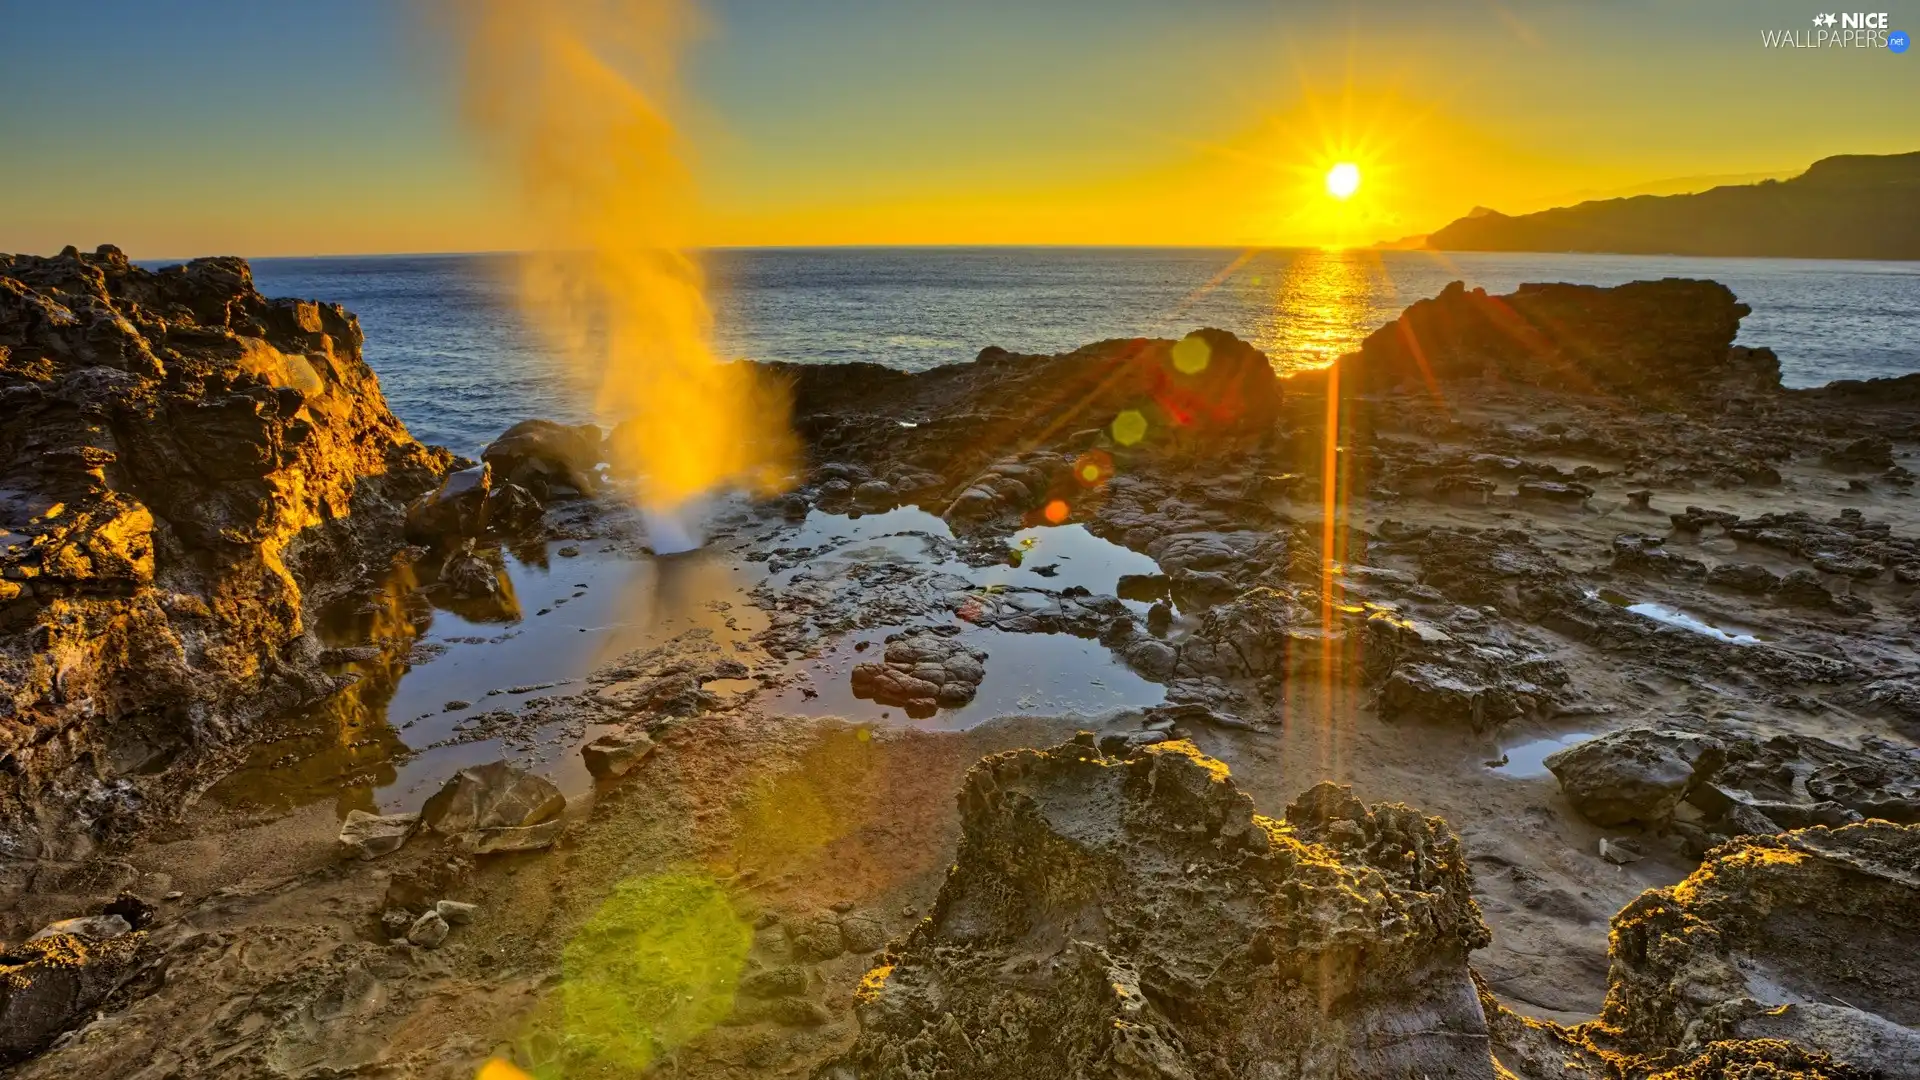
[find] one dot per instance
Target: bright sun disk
(1343, 180)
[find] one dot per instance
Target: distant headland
(1855, 206)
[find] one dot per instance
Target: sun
(1343, 180)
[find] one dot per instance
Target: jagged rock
(428, 931)
(511, 508)
(616, 753)
(537, 454)
(174, 445)
(455, 509)
(1743, 577)
(1639, 774)
(920, 671)
(416, 888)
(51, 984)
(494, 808)
(1647, 339)
(468, 576)
(455, 912)
(370, 836)
(1135, 917)
(1806, 936)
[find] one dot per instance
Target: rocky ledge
(186, 469)
(1134, 917)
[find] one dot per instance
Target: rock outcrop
(185, 468)
(1645, 339)
(1133, 917)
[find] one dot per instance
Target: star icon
(1831, 20)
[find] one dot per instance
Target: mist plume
(573, 98)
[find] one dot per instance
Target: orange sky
(264, 129)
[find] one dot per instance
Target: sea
(459, 362)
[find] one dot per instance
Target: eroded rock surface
(1789, 952)
(1134, 917)
(185, 467)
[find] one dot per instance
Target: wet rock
(1805, 937)
(1639, 774)
(616, 753)
(874, 495)
(52, 984)
(1200, 939)
(920, 671)
(428, 931)
(455, 509)
(175, 445)
(495, 808)
(1743, 577)
(511, 508)
(369, 836)
(540, 454)
(468, 576)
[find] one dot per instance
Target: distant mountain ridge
(1854, 206)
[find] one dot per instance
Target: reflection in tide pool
(1528, 760)
(1672, 616)
(424, 663)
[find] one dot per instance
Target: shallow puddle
(1528, 760)
(436, 675)
(1672, 616)
(1039, 674)
(555, 620)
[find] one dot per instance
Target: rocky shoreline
(1569, 517)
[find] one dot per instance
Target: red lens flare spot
(1056, 511)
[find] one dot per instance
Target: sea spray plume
(572, 97)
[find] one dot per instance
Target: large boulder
(539, 454)
(495, 807)
(1647, 339)
(1134, 917)
(1640, 774)
(189, 467)
(1807, 937)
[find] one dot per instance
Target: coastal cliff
(185, 467)
(1855, 206)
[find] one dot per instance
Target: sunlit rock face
(1647, 339)
(1133, 917)
(184, 465)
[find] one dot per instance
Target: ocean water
(459, 363)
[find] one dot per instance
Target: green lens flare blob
(1191, 354)
(1129, 427)
(654, 967)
